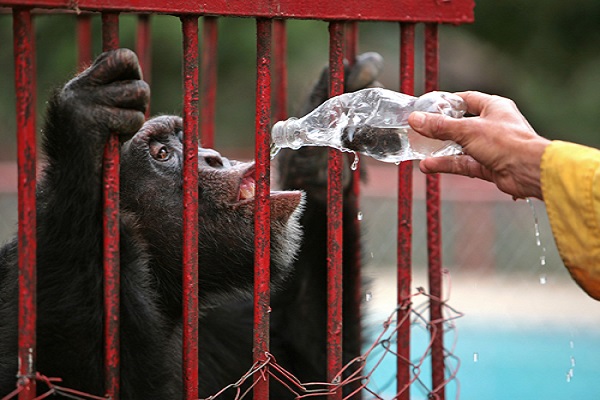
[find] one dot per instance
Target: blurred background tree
(541, 53)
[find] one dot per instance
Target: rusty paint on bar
(190, 206)
(112, 282)
(262, 220)
(334, 219)
(84, 41)
(446, 11)
(26, 143)
(353, 249)
(434, 233)
(208, 92)
(404, 249)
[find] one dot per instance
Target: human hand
(500, 146)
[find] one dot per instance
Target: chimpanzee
(111, 96)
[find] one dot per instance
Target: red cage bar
(26, 139)
(84, 40)
(208, 84)
(190, 206)
(262, 213)
(334, 218)
(434, 240)
(404, 247)
(343, 40)
(110, 165)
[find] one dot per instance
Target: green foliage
(553, 48)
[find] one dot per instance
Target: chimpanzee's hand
(361, 75)
(109, 96)
(306, 168)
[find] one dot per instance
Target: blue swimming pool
(501, 364)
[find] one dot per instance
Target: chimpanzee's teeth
(247, 189)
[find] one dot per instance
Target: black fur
(111, 97)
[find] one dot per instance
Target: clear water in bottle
(373, 122)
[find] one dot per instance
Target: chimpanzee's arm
(108, 97)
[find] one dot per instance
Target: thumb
(436, 126)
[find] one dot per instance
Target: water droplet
(570, 374)
(543, 260)
(475, 357)
(572, 361)
(543, 279)
(368, 296)
(571, 344)
(397, 163)
(359, 216)
(274, 150)
(372, 255)
(354, 165)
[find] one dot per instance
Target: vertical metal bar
(351, 41)
(190, 206)
(280, 78)
(434, 232)
(110, 168)
(405, 194)
(262, 219)
(354, 305)
(334, 218)
(26, 143)
(208, 91)
(84, 40)
(143, 48)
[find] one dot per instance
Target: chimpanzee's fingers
(364, 72)
(126, 122)
(133, 95)
(111, 66)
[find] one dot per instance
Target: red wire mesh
(415, 310)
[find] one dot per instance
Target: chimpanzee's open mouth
(283, 203)
(247, 185)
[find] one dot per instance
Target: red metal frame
(270, 32)
(334, 218)
(26, 140)
(404, 249)
(112, 275)
(190, 206)
(455, 11)
(262, 220)
(208, 91)
(280, 79)
(434, 239)
(84, 40)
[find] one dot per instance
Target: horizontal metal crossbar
(441, 11)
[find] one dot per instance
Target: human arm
(500, 146)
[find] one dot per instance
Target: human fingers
(438, 126)
(464, 165)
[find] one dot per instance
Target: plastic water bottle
(373, 122)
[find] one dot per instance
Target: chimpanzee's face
(152, 192)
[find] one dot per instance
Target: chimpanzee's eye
(160, 152)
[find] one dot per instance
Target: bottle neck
(285, 134)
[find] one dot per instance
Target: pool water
(495, 363)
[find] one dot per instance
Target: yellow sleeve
(570, 177)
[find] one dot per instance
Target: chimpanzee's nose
(211, 158)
